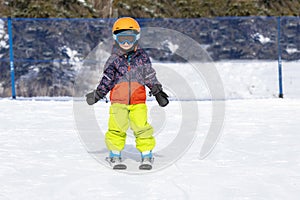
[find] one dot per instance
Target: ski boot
(147, 160)
(115, 160)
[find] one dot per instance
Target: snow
(3, 44)
(262, 39)
(83, 2)
(172, 47)
(71, 54)
(86, 4)
(291, 49)
(44, 153)
(257, 157)
(241, 79)
(3, 37)
(1, 27)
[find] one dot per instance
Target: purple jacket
(126, 76)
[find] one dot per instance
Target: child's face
(126, 46)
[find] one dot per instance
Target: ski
(120, 167)
(145, 167)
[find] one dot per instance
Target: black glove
(93, 97)
(160, 96)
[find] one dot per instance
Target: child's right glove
(160, 96)
(93, 97)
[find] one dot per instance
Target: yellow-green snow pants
(121, 117)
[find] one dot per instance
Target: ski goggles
(123, 38)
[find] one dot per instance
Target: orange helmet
(126, 23)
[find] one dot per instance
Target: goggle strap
(115, 36)
(137, 36)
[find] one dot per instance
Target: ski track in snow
(257, 157)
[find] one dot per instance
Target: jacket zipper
(129, 81)
(129, 85)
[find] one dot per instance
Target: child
(126, 73)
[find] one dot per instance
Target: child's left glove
(160, 96)
(93, 97)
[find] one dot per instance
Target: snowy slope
(241, 79)
(257, 157)
(44, 155)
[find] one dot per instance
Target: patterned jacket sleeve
(150, 74)
(107, 81)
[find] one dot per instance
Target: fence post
(11, 59)
(279, 58)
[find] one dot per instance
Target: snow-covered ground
(241, 79)
(257, 156)
(44, 153)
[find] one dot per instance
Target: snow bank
(240, 79)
